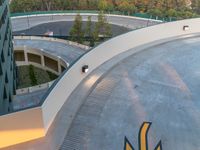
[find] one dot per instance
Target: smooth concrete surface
(158, 85)
(26, 22)
(137, 40)
(67, 52)
(21, 126)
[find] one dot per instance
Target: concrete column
(25, 55)
(59, 66)
(42, 61)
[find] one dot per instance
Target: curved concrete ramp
(176, 74)
(159, 85)
(25, 22)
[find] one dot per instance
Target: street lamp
(186, 28)
(85, 68)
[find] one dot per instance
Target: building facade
(7, 62)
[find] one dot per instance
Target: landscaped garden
(31, 76)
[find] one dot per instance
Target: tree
(184, 8)
(88, 31)
(103, 5)
(123, 6)
(76, 32)
(196, 6)
(156, 12)
(126, 6)
(171, 13)
(24, 5)
(141, 5)
(102, 28)
(46, 4)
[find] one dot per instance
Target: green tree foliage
(32, 75)
(24, 5)
(103, 5)
(126, 6)
(164, 8)
(196, 6)
(76, 32)
(89, 32)
(102, 27)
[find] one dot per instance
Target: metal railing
(140, 15)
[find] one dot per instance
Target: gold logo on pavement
(142, 138)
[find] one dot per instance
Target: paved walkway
(159, 85)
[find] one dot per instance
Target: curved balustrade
(34, 123)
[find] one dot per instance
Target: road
(62, 28)
(28, 22)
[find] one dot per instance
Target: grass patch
(52, 76)
(30, 76)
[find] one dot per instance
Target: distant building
(7, 63)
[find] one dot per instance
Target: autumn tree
(179, 8)
(105, 5)
(126, 6)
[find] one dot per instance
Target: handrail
(140, 15)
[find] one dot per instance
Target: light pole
(28, 22)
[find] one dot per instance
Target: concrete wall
(84, 47)
(34, 88)
(21, 126)
(36, 57)
(139, 40)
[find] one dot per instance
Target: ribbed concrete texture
(158, 85)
